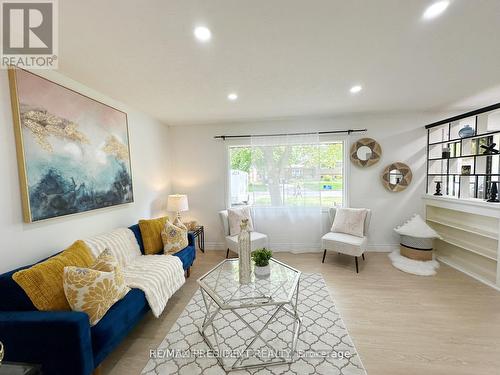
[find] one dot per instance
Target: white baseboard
(215, 246)
(298, 248)
(386, 248)
(452, 264)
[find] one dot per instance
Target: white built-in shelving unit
(470, 235)
(469, 226)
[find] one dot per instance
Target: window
(306, 175)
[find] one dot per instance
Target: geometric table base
(250, 354)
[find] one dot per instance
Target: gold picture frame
(42, 134)
(16, 117)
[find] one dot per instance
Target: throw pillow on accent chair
(235, 216)
(350, 221)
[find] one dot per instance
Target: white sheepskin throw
(416, 227)
(415, 267)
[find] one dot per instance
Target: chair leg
(324, 255)
(363, 255)
(188, 272)
(227, 253)
(356, 259)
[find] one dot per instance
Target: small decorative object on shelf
(466, 131)
(1, 352)
(489, 149)
(261, 259)
(446, 153)
(466, 169)
(493, 193)
(244, 252)
(438, 188)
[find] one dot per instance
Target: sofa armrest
(190, 239)
(58, 340)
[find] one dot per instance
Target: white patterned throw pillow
(350, 221)
(174, 238)
(235, 216)
(94, 291)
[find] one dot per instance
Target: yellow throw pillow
(94, 291)
(107, 262)
(174, 238)
(43, 282)
(151, 234)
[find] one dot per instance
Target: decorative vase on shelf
(1, 352)
(244, 247)
(493, 193)
(466, 131)
(438, 188)
(446, 153)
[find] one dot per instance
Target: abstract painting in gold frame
(73, 152)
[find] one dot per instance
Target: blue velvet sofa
(63, 341)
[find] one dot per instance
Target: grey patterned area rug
(324, 346)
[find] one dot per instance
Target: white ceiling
(283, 57)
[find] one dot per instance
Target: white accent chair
(345, 243)
(257, 240)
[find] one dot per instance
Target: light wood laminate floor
(400, 323)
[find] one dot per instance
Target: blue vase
(466, 131)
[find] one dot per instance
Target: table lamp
(177, 203)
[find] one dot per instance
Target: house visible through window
(305, 175)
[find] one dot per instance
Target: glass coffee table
(251, 325)
(15, 368)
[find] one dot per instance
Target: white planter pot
(262, 271)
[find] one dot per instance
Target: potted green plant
(261, 259)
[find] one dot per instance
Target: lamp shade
(177, 203)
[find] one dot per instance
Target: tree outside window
(287, 175)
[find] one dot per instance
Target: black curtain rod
(224, 137)
(465, 115)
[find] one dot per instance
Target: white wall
(22, 243)
(200, 167)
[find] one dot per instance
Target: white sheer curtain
(284, 184)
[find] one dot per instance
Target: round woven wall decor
(396, 177)
(373, 158)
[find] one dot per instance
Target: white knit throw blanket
(158, 276)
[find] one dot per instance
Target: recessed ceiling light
(202, 33)
(435, 9)
(355, 89)
(232, 96)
